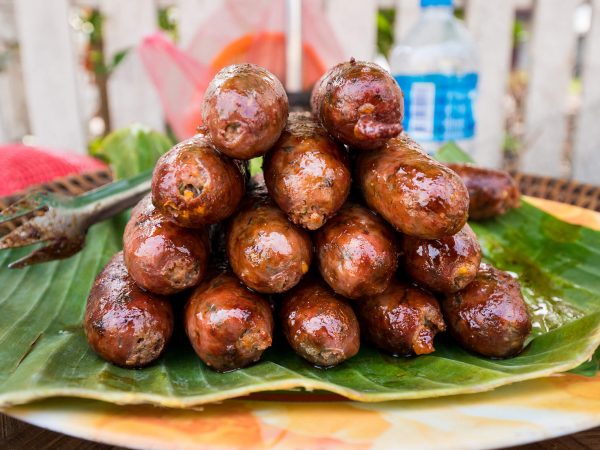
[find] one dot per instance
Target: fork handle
(110, 199)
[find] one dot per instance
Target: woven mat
(560, 190)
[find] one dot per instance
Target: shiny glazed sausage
(161, 256)
(267, 252)
(245, 109)
(319, 325)
(489, 316)
(124, 324)
(491, 192)
(402, 321)
(357, 252)
(417, 195)
(195, 185)
(229, 326)
(446, 264)
(359, 104)
(306, 173)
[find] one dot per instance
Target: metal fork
(62, 222)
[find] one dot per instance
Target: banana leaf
(43, 350)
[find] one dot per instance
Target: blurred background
(73, 70)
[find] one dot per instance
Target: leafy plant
(96, 60)
(255, 166)
(385, 30)
(131, 150)
(168, 22)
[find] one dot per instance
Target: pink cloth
(22, 166)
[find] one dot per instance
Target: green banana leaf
(43, 351)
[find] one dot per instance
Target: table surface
(17, 435)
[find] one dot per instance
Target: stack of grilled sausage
(389, 257)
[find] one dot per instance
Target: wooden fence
(58, 97)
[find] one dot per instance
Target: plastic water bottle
(435, 64)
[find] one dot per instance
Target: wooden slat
(355, 25)
(3, 112)
(13, 105)
(490, 23)
(407, 14)
(13, 113)
(49, 72)
(191, 15)
(586, 158)
(551, 58)
(132, 97)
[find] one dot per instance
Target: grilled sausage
(245, 109)
(402, 321)
(267, 252)
(124, 324)
(306, 173)
(443, 265)
(229, 326)
(359, 104)
(319, 325)
(357, 252)
(417, 195)
(489, 316)
(161, 256)
(491, 192)
(194, 185)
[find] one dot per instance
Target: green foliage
(94, 20)
(451, 152)
(520, 32)
(255, 166)
(96, 59)
(168, 23)
(511, 144)
(385, 30)
(131, 150)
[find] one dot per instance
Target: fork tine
(27, 234)
(26, 205)
(59, 249)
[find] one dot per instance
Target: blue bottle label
(439, 107)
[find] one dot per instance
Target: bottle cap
(426, 3)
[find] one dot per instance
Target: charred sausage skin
(229, 326)
(161, 256)
(307, 174)
(245, 109)
(489, 316)
(402, 321)
(124, 324)
(357, 252)
(359, 104)
(319, 325)
(443, 265)
(491, 192)
(416, 194)
(194, 185)
(267, 252)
